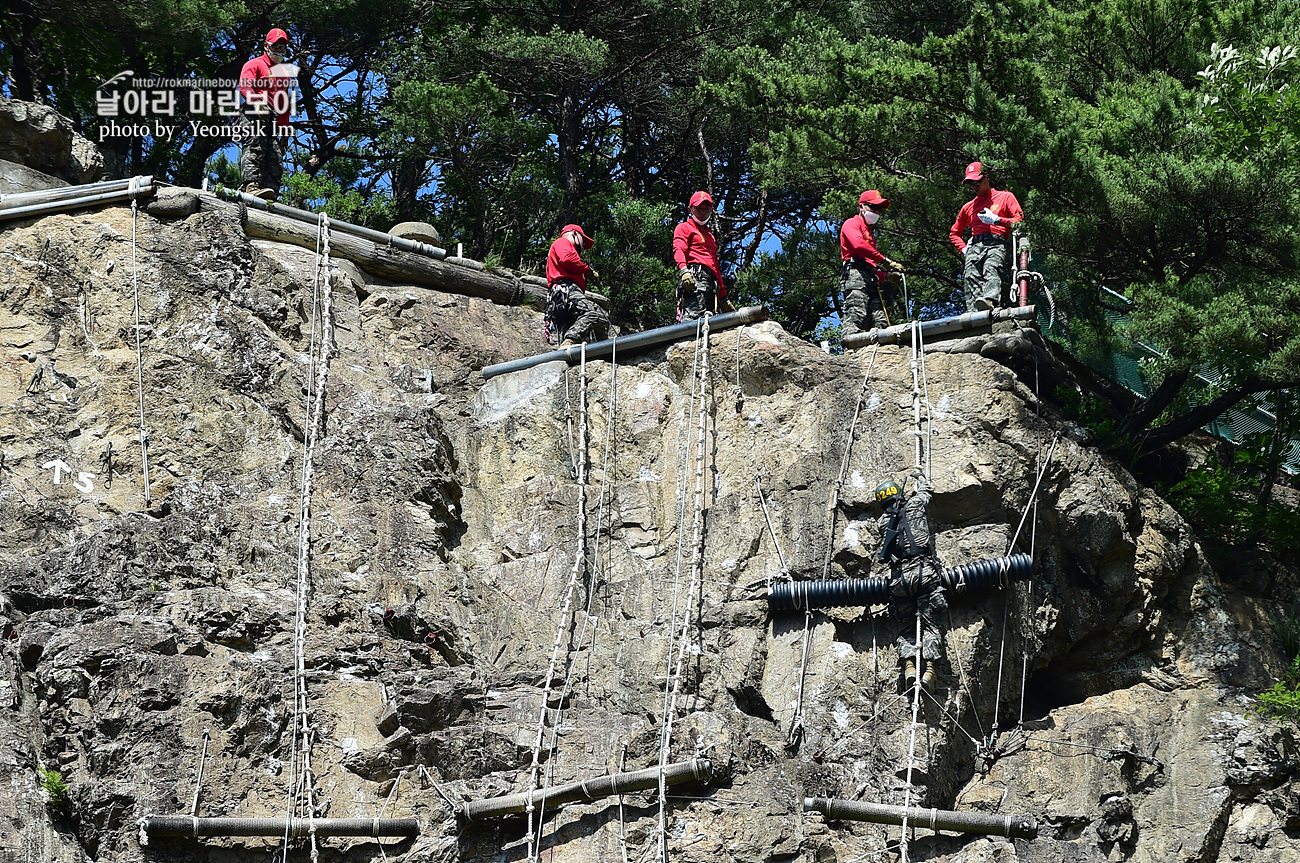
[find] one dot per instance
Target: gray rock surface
(43, 139)
(443, 528)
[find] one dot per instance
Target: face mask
(277, 54)
(870, 216)
(703, 221)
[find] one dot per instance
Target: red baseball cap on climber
(277, 35)
(974, 171)
(874, 198)
(587, 242)
(701, 198)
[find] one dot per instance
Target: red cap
(974, 171)
(872, 197)
(701, 198)
(277, 35)
(587, 242)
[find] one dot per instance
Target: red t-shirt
(563, 262)
(258, 86)
(694, 243)
(858, 240)
(1001, 202)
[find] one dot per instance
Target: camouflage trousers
(692, 304)
(261, 153)
(862, 308)
(914, 585)
(985, 274)
(575, 315)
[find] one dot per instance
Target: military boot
(927, 679)
(909, 673)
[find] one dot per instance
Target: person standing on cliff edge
(700, 289)
(863, 267)
(571, 315)
(989, 215)
(263, 127)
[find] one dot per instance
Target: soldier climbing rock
(263, 128)
(571, 315)
(700, 288)
(989, 215)
(914, 576)
(863, 269)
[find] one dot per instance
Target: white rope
(683, 459)
(832, 504)
(579, 562)
(911, 746)
(571, 657)
(317, 375)
(697, 555)
(785, 569)
(134, 189)
(622, 824)
(1033, 540)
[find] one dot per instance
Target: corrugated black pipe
(633, 342)
(981, 576)
(187, 825)
(828, 593)
(698, 770)
(969, 579)
(1011, 826)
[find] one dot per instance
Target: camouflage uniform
(985, 275)
(693, 304)
(575, 315)
(261, 152)
(860, 286)
(914, 581)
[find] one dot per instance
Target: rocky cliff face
(444, 531)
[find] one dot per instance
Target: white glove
(988, 217)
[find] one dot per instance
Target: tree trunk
(395, 264)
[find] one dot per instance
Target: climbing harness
(301, 783)
(697, 551)
(134, 190)
(579, 563)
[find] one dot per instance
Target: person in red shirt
(571, 315)
(695, 249)
(989, 216)
(862, 271)
(263, 142)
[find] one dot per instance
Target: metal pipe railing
(189, 826)
(697, 770)
(18, 199)
(633, 342)
(1011, 826)
(296, 214)
(59, 206)
(901, 334)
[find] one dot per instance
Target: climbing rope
(916, 363)
(795, 736)
(911, 746)
(697, 557)
(1033, 497)
(570, 659)
(134, 189)
(579, 562)
(1028, 617)
(785, 569)
(317, 374)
